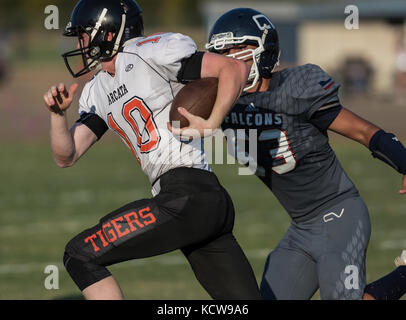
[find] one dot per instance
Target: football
(197, 97)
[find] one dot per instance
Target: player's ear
(110, 36)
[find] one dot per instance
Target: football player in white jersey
(132, 95)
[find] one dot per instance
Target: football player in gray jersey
(325, 246)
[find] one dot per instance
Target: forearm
(232, 80)
(67, 145)
(350, 125)
(62, 143)
(232, 77)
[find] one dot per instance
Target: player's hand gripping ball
(197, 97)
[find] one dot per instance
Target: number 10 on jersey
(137, 105)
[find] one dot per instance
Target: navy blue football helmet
(97, 18)
(247, 26)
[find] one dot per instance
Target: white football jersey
(135, 103)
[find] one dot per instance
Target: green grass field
(42, 207)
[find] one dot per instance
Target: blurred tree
(11, 15)
(171, 11)
(20, 14)
(17, 15)
(167, 13)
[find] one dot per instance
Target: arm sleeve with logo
(319, 91)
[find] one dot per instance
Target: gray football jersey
(294, 158)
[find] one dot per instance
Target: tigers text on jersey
(135, 103)
(294, 157)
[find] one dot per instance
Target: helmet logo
(263, 22)
(68, 26)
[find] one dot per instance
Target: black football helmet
(247, 26)
(97, 18)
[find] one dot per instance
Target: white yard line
(393, 244)
(165, 260)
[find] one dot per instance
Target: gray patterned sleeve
(320, 91)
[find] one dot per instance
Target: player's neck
(261, 86)
(110, 66)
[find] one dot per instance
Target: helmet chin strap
(265, 33)
(263, 41)
(119, 36)
(254, 76)
(277, 62)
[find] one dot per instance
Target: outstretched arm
(354, 127)
(384, 146)
(67, 145)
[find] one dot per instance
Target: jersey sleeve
(176, 48)
(324, 118)
(88, 114)
(319, 91)
(85, 101)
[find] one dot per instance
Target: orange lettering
(132, 221)
(116, 128)
(93, 236)
(153, 40)
(118, 227)
(111, 232)
(149, 215)
(104, 242)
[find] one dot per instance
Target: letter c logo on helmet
(263, 22)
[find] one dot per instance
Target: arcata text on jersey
(117, 94)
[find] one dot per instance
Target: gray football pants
(326, 252)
